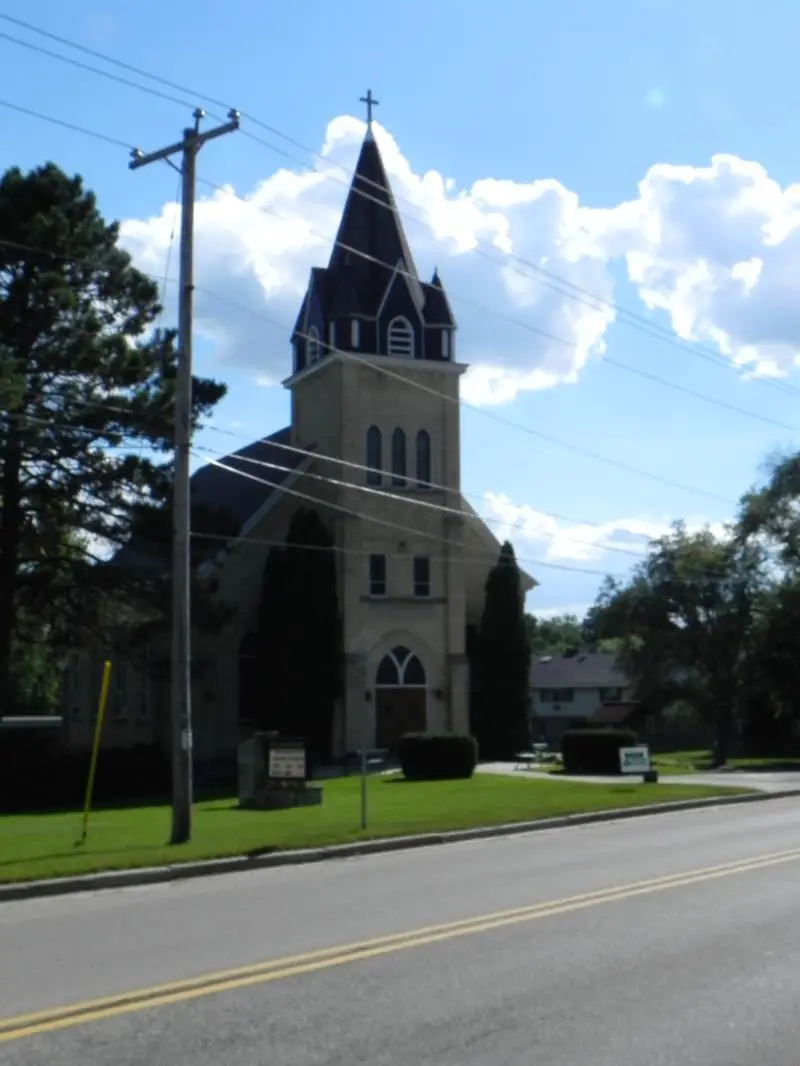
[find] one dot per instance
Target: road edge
(151, 875)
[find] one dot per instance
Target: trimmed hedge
(437, 756)
(594, 751)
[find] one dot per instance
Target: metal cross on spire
(371, 102)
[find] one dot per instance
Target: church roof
(370, 244)
(217, 490)
(371, 233)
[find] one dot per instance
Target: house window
(332, 336)
(377, 575)
(401, 338)
(422, 576)
(374, 459)
(423, 458)
(355, 333)
(610, 695)
(445, 344)
(398, 457)
(556, 695)
(312, 346)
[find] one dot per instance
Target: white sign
(287, 764)
(634, 760)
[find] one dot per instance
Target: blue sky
(591, 97)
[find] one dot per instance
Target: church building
(374, 447)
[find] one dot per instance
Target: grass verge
(39, 846)
(700, 761)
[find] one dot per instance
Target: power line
(277, 486)
(723, 404)
(544, 276)
(395, 497)
(72, 126)
(550, 438)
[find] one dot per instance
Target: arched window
(445, 344)
(423, 458)
(332, 336)
(400, 667)
(398, 457)
(374, 459)
(312, 346)
(401, 338)
(355, 333)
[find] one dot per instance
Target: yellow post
(101, 711)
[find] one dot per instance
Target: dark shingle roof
(241, 497)
(215, 489)
(584, 670)
(437, 309)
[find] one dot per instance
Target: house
(577, 688)
(374, 447)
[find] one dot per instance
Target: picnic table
(538, 755)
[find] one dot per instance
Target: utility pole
(181, 695)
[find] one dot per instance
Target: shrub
(437, 756)
(594, 751)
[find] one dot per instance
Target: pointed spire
(371, 239)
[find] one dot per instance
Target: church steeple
(370, 297)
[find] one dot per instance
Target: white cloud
(714, 247)
(257, 252)
(717, 248)
(574, 542)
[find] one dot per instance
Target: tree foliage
(87, 394)
(501, 664)
(300, 633)
(686, 620)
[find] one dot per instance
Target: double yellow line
(95, 1010)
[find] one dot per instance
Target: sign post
(98, 729)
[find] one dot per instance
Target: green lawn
(43, 845)
(698, 761)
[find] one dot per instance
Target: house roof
(614, 713)
(585, 669)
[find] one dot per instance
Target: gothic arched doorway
(401, 697)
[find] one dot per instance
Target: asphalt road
(667, 940)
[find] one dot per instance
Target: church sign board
(634, 760)
(287, 760)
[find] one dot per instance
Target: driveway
(761, 782)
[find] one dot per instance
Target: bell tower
(375, 384)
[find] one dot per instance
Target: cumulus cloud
(712, 247)
(255, 250)
(717, 249)
(559, 541)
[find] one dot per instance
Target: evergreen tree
(272, 706)
(301, 633)
(501, 674)
(86, 395)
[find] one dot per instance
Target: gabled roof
(216, 489)
(585, 669)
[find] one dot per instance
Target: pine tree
(501, 675)
(301, 633)
(86, 401)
